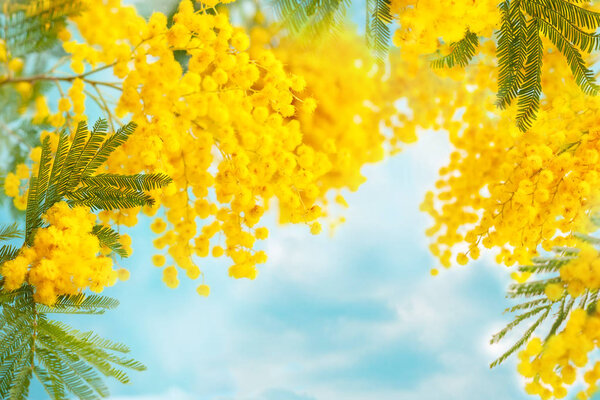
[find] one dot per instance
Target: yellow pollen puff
(434, 271)
(217, 251)
(15, 65)
(309, 105)
(261, 233)
(158, 225)
(158, 260)
(22, 171)
(20, 202)
(203, 290)
(462, 259)
(123, 274)
(240, 41)
(125, 240)
(315, 228)
(77, 66)
(520, 277)
(35, 154)
(64, 104)
(193, 272)
(341, 200)
(170, 277)
(24, 89)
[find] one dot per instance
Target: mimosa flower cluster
(581, 273)
(64, 258)
(237, 125)
(551, 368)
(514, 191)
(353, 101)
(219, 129)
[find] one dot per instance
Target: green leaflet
(313, 18)
(460, 54)
(9, 232)
(109, 238)
(378, 22)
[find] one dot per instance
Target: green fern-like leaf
(89, 150)
(571, 29)
(80, 304)
(531, 86)
(578, 15)
(54, 194)
(71, 176)
(63, 359)
(109, 238)
(584, 77)
(139, 182)
(461, 52)
(585, 41)
(65, 183)
(510, 51)
(28, 26)
(523, 339)
(38, 188)
(108, 198)
(312, 17)
(9, 232)
(8, 253)
(108, 147)
(379, 20)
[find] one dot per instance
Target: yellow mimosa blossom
(64, 257)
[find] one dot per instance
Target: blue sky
(354, 316)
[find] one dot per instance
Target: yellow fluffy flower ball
(64, 257)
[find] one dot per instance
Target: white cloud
(171, 394)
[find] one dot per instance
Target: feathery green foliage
(531, 86)
(312, 18)
(378, 22)
(8, 253)
(537, 307)
(109, 238)
(62, 359)
(572, 30)
(139, 182)
(29, 26)
(510, 52)
(460, 54)
(9, 232)
(80, 304)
